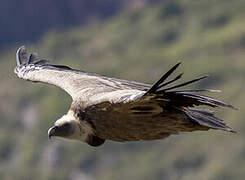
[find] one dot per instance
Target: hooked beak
(52, 131)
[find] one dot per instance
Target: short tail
(206, 118)
(188, 99)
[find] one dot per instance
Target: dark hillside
(27, 20)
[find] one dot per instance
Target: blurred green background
(136, 40)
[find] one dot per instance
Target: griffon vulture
(106, 108)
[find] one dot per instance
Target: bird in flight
(105, 108)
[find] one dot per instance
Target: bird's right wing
(78, 84)
(155, 113)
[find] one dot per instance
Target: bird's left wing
(78, 84)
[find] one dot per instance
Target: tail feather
(169, 97)
(207, 119)
(206, 100)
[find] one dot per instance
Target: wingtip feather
(186, 83)
(163, 78)
(32, 58)
(21, 55)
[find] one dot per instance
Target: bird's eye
(66, 128)
(66, 125)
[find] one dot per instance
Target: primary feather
(106, 108)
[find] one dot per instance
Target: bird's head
(70, 127)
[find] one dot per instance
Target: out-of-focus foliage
(207, 36)
(27, 20)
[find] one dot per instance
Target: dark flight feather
(156, 86)
(32, 58)
(183, 84)
(171, 81)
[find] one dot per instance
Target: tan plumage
(113, 109)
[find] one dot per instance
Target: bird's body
(113, 109)
(129, 125)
